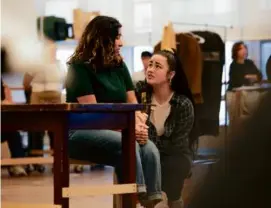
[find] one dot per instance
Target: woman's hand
(142, 133)
(141, 117)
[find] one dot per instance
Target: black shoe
(39, 168)
(29, 169)
(97, 167)
(78, 168)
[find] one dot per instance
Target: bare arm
(87, 99)
(131, 97)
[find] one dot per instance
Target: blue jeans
(104, 147)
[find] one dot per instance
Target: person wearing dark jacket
(268, 69)
(13, 139)
(242, 70)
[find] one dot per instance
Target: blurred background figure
(140, 75)
(247, 180)
(242, 70)
(13, 139)
(268, 69)
(44, 87)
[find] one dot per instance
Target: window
(143, 17)
(223, 6)
(63, 55)
(265, 4)
(265, 53)
(127, 54)
(225, 79)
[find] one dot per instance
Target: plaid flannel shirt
(178, 125)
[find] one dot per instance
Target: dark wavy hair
(235, 48)
(179, 84)
(97, 43)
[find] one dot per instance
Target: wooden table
(59, 118)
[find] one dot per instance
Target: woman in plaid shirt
(171, 120)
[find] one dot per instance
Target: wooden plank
(99, 190)
(27, 160)
(20, 205)
(74, 107)
(41, 152)
(38, 160)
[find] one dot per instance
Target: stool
(117, 202)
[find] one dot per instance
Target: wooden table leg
(57, 168)
(129, 160)
(61, 163)
(65, 163)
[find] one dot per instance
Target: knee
(150, 150)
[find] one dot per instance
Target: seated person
(13, 139)
(171, 121)
(97, 74)
(242, 70)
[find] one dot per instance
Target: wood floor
(38, 188)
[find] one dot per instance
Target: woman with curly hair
(98, 74)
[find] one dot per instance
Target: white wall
(15, 20)
(251, 19)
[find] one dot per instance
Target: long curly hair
(97, 43)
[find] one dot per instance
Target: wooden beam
(42, 152)
(38, 160)
(20, 205)
(27, 160)
(99, 190)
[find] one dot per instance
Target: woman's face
(242, 53)
(118, 43)
(157, 71)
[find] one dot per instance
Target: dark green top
(109, 86)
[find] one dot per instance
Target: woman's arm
(78, 84)
(257, 74)
(184, 122)
(131, 97)
(87, 99)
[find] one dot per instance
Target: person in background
(13, 139)
(171, 122)
(268, 69)
(98, 74)
(46, 87)
(243, 71)
(140, 75)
